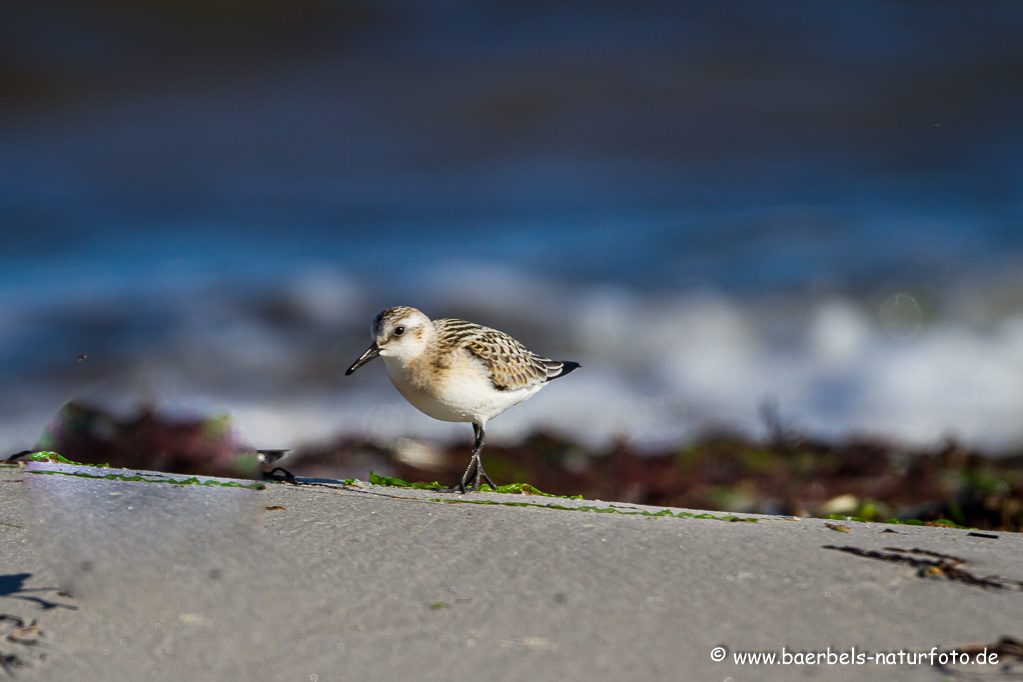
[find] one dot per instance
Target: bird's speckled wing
(510, 364)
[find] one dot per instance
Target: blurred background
(783, 239)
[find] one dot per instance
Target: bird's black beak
(371, 353)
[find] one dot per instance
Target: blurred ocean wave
(660, 368)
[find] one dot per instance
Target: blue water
(254, 188)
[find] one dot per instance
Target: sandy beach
(149, 579)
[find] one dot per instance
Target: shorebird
(457, 371)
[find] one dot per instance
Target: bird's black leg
(470, 470)
(460, 488)
(474, 471)
(481, 475)
(487, 479)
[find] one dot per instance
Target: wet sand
(327, 582)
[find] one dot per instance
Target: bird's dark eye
(398, 331)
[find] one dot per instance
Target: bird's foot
(481, 477)
(470, 471)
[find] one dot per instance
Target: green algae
(53, 457)
(942, 523)
(392, 482)
(11, 525)
(510, 489)
(526, 489)
(603, 510)
(843, 517)
(139, 478)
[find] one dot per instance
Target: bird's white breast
(460, 392)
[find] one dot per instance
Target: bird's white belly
(464, 395)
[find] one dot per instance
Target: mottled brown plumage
(509, 364)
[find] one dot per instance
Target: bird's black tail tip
(567, 367)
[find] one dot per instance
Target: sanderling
(457, 371)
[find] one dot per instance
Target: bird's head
(400, 332)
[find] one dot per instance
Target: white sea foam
(658, 368)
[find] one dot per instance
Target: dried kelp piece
(28, 635)
(8, 662)
(927, 552)
(1010, 657)
(943, 565)
(18, 622)
(1006, 648)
